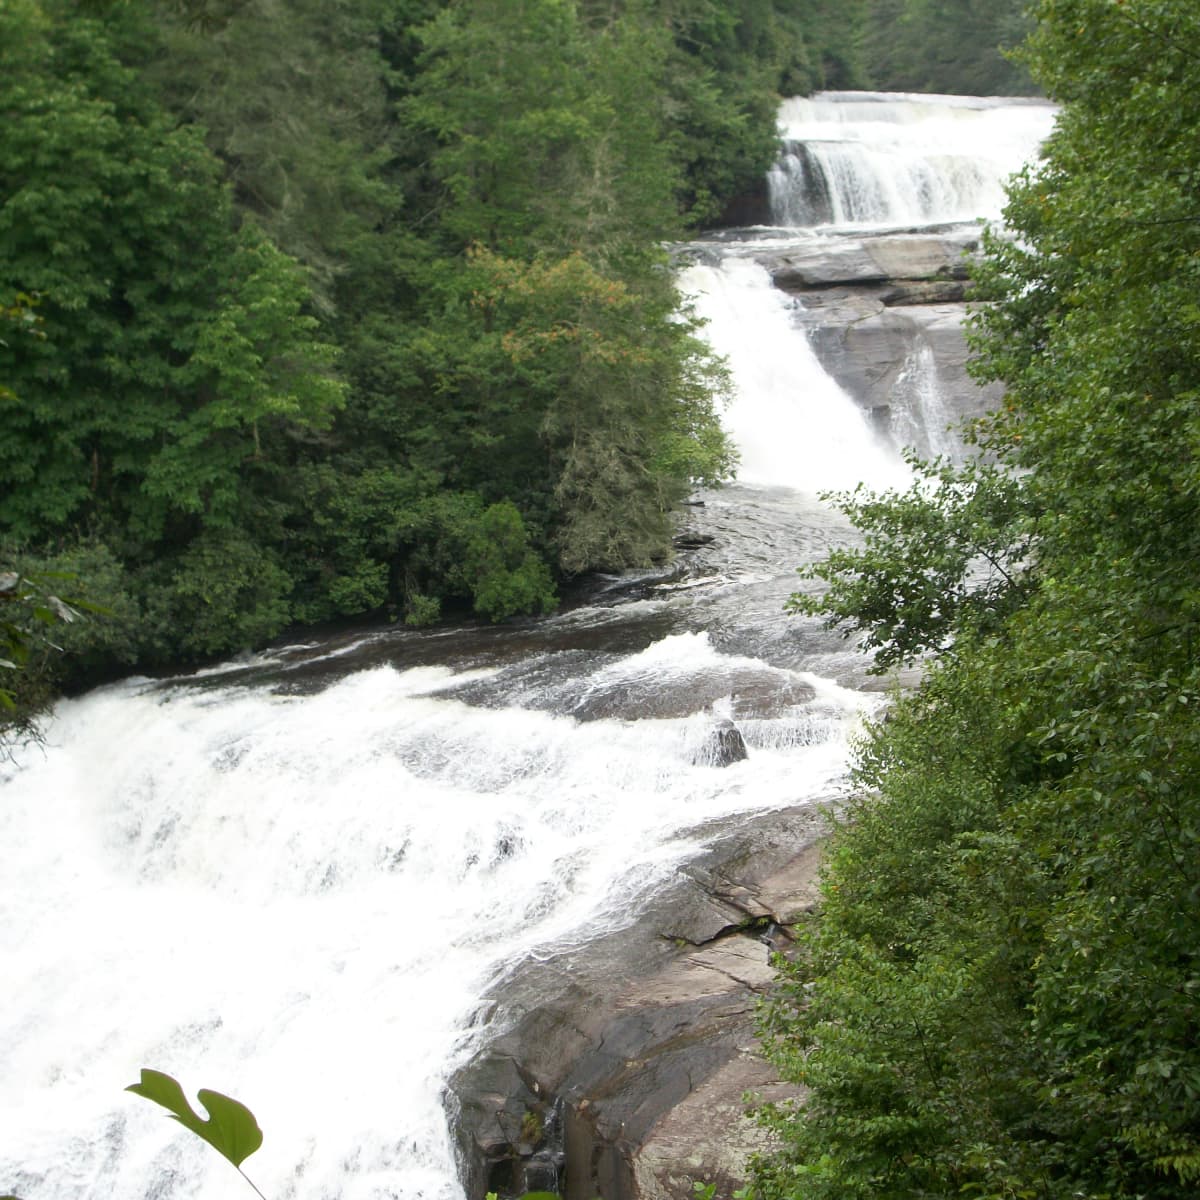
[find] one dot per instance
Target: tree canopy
(328, 297)
(945, 46)
(354, 312)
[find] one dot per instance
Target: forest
(315, 314)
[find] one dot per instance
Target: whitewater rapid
(300, 900)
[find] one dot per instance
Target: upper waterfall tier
(862, 159)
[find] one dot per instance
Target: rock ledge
(623, 1069)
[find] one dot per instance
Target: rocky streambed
(626, 1066)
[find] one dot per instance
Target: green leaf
(231, 1129)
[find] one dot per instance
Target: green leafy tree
(1000, 996)
(549, 136)
(30, 613)
(294, 102)
(958, 46)
(627, 422)
(179, 366)
(460, 547)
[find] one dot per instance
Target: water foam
(299, 900)
(863, 159)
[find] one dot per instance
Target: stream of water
(292, 878)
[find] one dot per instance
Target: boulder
(725, 744)
(885, 318)
(942, 254)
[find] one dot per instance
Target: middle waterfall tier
(793, 425)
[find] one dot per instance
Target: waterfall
(919, 415)
(865, 184)
(299, 899)
(884, 159)
(302, 879)
(793, 425)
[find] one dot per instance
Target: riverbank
(625, 1064)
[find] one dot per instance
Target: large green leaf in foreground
(231, 1128)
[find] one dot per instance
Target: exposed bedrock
(885, 316)
(624, 1066)
(942, 254)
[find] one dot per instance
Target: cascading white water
(853, 165)
(299, 899)
(885, 159)
(793, 425)
(297, 892)
(919, 415)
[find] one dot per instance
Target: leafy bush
(1000, 996)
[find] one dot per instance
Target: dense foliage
(1002, 994)
(366, 310)
(944, 46)
(358, 311)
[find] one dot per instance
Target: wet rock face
(885, 317)
(635, 1052)
(906, 365)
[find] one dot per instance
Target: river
(295, 877)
